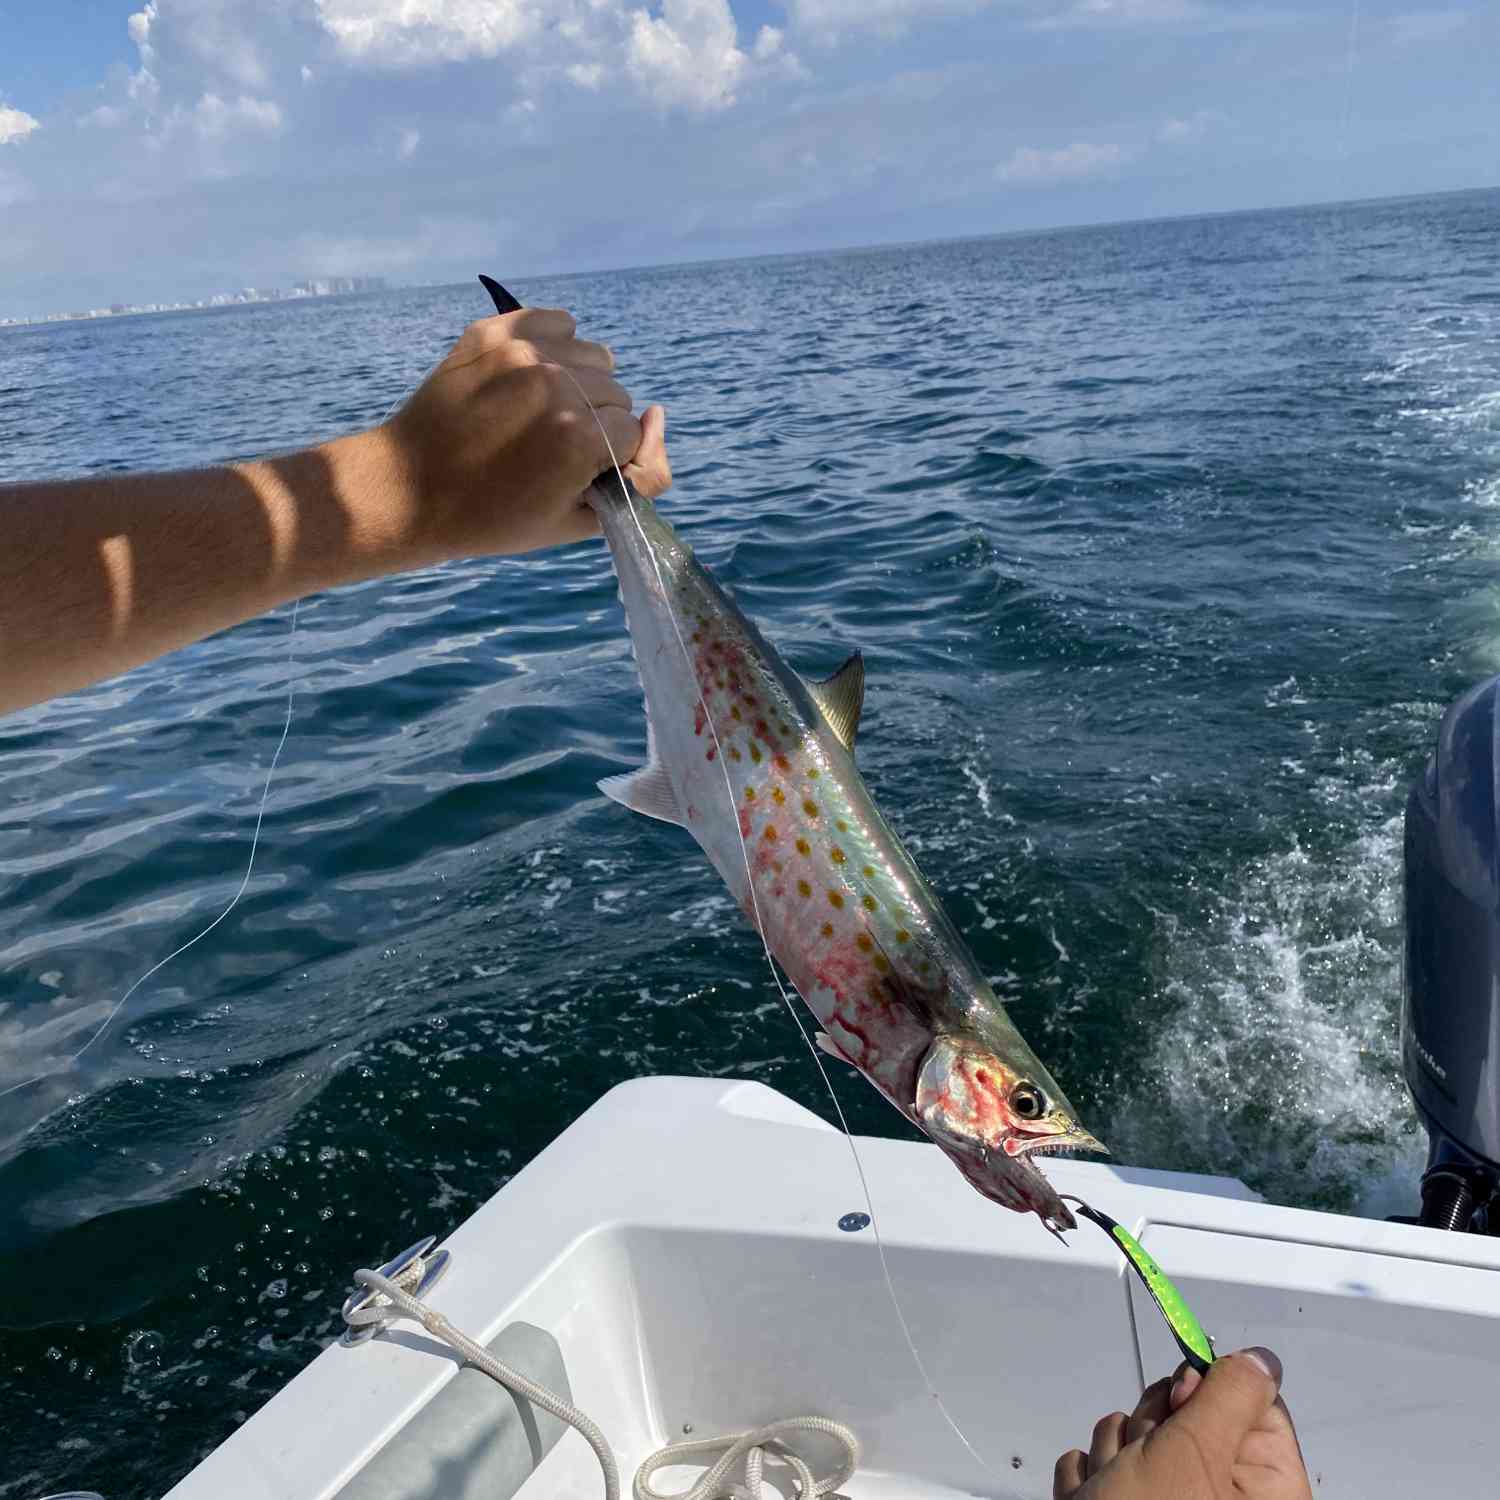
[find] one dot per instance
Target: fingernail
(1183, 1387)
(1267, 1362)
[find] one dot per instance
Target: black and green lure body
(1197, 1348)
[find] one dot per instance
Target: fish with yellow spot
(758, 766)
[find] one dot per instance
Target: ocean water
(1166, 544)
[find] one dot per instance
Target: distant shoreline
(322, 286)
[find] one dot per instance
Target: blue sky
(152, 149)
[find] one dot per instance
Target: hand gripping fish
(758, 765)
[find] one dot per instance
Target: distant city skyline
(157, 150)
(329, 286)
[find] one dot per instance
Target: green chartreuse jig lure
(1197, 1348)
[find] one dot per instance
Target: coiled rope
(751, 1447)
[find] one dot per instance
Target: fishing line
(722, 760)
(260, 814)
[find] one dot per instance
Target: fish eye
(1028, 1101)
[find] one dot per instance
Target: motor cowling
(1450, 1019)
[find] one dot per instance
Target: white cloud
(139, 25)
(223, 36)
(214, 117)
(679, 53)
(105, 117)
(768, 43)
(1081, 159)
(206, 69)
(406, 147)
(689, 55)
(409, 33)
(15, 125)
(143, 88)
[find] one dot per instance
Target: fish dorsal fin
(647, 790)
(842, 697)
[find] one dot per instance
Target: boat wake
(1277, 1054)
(1279, 1059)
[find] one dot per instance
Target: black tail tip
(504, 302)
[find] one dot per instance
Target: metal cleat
(414, 1271)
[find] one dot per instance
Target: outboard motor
(1450, 1014)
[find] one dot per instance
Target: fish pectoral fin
(827, 1044)
(842, 698)
(648, 791)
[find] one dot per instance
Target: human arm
(491, 455)
(1226, 1435)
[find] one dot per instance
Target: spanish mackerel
(758, 765)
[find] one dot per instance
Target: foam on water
(1280, 1050)
(1276, 1045)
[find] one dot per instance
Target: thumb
(650, 471)
(1235, 1394)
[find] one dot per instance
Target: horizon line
(41, 319)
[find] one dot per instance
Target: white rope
(752, 1447)
(394, 1299)
(401, 1301)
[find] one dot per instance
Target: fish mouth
(1054, 1213)
(1056, 1145)
(1014, 1182)
(1012, 1177)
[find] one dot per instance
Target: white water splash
(1279, 1061)
(976, 778)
